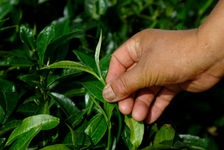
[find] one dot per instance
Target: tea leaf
(26, 36)
(9, 126)
(2, 114)
(95, 88)
(43, 40)
(67, 104)
(96, 128)
(97, 55)
(56, 147)
(73, 65)
(44, 121)
(137, 131)
(24, 140)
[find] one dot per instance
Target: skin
(149, 69)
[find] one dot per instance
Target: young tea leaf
(137, 131)
(96, 128)
(44, 121)
(72, 65)
(97, 55)
(43, 40)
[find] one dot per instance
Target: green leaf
(97, 55)
(77, 138)
(108, 107)
(165, 135)
(126, 137)
(2, 114)
(15, 62)
(24, 140)
(5, 9)
(9, 126)
(67, 104)
(96, 128)
(56, 147)
(7, 86)
(137, 131)
(44, 121)
(26, 36)
(96, 8)
(31, 79)
(76, 118)
(72, 65)
(43, 40)
(193, 142)
(95, 88)
(86, 59)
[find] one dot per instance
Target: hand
(149, 69)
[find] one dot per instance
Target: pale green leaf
(97, 55)
(137, 131)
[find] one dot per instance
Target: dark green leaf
(56, 147)
(26, 36)
(31, 79)
(77, 138)
(43, 40)
(2, 114)
(28, 109)
(96, 128)
(75, 92)
(76, 118)
(7, 86)
(67, 104)
(5, 9)
(15, 62)
(108, 107)
(86, 59)
(137, 131)
(24, 140)
(95, 88)
(44, 121)
(9, 126)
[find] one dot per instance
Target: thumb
(124, 85)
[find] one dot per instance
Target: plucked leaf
(43, 40)
(56, 147)
(137, 131)
(44, 121)
(24, 140)
(96, 128)
(95, 88)
(26, 36)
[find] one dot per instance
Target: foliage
(52, 76)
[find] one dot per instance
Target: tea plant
(51, 80)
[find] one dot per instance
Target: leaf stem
(108, 123)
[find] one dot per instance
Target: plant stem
(108, 123)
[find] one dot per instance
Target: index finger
(123, 58)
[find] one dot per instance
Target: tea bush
(52, 72)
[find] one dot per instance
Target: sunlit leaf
(137, 131)
(44, 121)
(97, 55)
(26, 36)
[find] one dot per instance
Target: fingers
(161, 102)
(142, 103)
(126, 105)
(124, 85)
(124, 57)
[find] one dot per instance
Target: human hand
(149, 69)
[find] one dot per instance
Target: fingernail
(108, 93)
